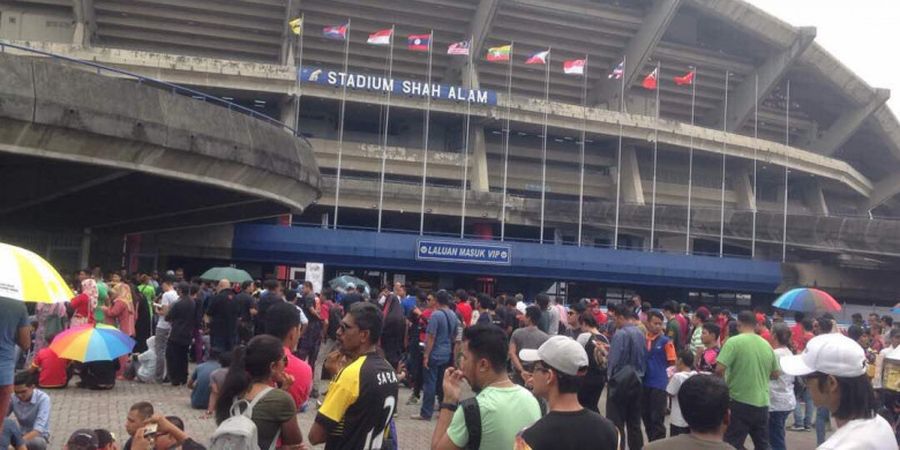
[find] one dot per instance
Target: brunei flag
(497, 54)
(296, 26)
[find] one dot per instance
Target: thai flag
(618, 72)
(336, 32)
(418, 42)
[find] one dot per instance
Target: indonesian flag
(686, 79)
(650, 81)
(497, 54)
(538, 58)
(459, 48)
(574, 66)
(382, 37)
(418, 42)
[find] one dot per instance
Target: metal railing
(156, 83)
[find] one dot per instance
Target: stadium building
(767, 164)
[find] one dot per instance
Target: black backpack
(472, 415)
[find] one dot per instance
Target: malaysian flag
(459, 48)
(618, 72)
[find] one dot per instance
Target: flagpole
(687, 235)
(387, 121)
(655, 160)
(425, 133)
(619, 157)
(465, 180)
(583, 137)
(755, 146)
(506, 141)
(299, 70)
(544, 143)
(337, 187)
(724, 148)
(787, 142)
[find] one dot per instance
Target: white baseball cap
(559, 352)
(832, 354)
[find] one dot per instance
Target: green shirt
(149, 293)
(748, 361)
(504, 413)
(673, 331)
(102, 297)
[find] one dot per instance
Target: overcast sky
(861, 34)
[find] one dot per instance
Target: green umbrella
(231, 274)
(340, 283)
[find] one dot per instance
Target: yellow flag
(297, 26)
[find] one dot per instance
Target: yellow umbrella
(27, 277)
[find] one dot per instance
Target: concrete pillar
(84, 256)
(478, 170)
(632, 186)
(814, 198)
(288, 114)
(85, 24)
(742, 183)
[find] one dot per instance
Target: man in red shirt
(54, 371)
(283, 322)
(463, 307)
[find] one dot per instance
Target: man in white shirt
(163, 327)
(834, 367)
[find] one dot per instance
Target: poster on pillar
(315, 274)
(411, 88)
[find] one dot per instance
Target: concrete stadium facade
(841, 145)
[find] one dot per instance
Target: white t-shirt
(167, 299)
(781, 390)
(675, 417)
(862, 434)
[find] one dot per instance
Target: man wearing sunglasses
(559, 368)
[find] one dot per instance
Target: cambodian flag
(336, 32)
(418, 42)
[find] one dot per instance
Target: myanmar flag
(497, 54)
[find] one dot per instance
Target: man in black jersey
(362, 398)
(559, 366)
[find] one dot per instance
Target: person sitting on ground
(504, 407)
(683, 371)
(216, 381)
(105, 439)
(53, 371)
(83, 439)
(170, 435)
(97, 375)
(143, 366)
(32, 410)
(704, 403)
(559, 368)
(834, 367)
(199, 380)
(137, 414)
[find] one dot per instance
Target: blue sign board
(463, 252)
(396, 86)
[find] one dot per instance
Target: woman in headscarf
(85, 302)
(120, 314)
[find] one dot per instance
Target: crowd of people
(491, 372)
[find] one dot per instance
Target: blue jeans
(776, 429)
(433, 386)
(823, 416)
(804, 420)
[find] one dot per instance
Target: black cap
(104, 437)
(83, 439)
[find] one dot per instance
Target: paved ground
(77, 408)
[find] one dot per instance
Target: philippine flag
(618, 72)
(574, 67)
(418, 42)
(538, 58)
(381, 37)
(336, 32)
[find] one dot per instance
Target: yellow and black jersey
(360, 404)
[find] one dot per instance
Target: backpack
(238, 432)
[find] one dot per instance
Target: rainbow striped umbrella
(92, 343)
(806, 300)
(27, 277)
